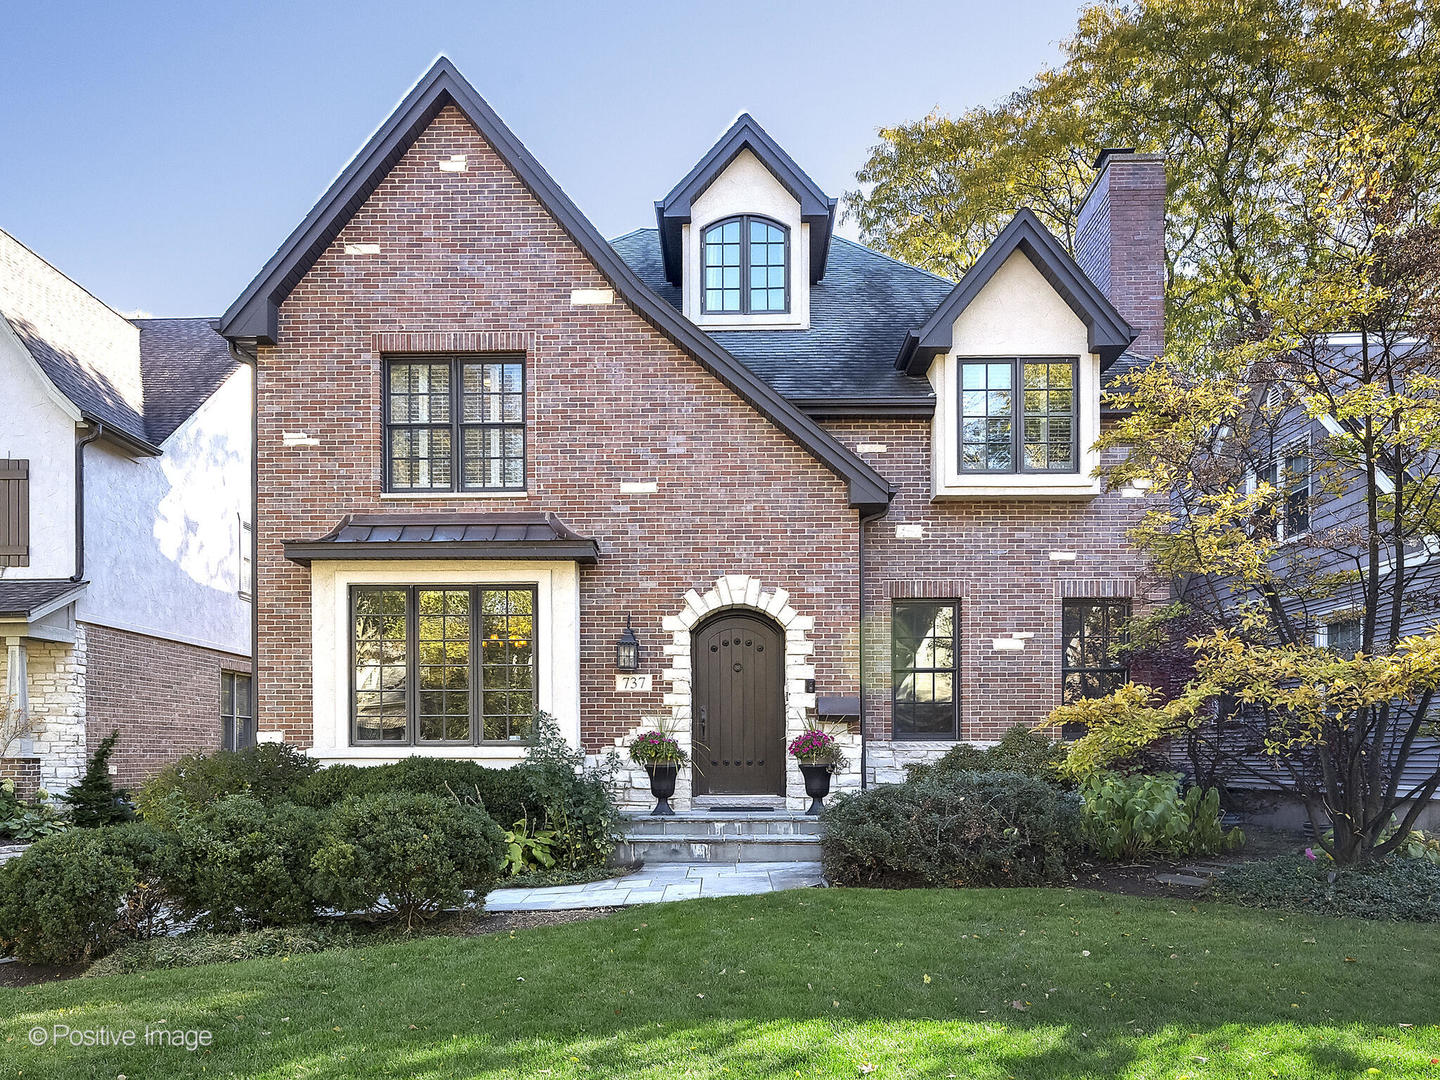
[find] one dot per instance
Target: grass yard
(837, 983)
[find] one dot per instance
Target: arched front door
(738, 714)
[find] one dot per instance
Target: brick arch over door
(739, 591)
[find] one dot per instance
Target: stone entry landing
(662, 884)
(722, 836)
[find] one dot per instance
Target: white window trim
(557, 612)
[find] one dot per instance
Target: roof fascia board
(127, 442)
(1109, 333)
(48, 607)
(442, 85)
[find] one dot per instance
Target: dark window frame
(1288, 518)
(953, 670)
(457, 425)
(745, 308)
(1355, 627)
(231, 740)
(1017, 415)
(1114, 628)
(474, 669)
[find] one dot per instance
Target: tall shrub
(95, 800)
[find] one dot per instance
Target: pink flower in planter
(1310, 854)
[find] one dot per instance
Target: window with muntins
(1019, 415)
(442, 665)
(1344, 636)
(1092, 632)
(746, 267)
(455, 423)
(925, 637)
(237, 711)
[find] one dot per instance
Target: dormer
(745, 234)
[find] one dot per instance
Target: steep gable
(255, 315)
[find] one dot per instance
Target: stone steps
(734, 837)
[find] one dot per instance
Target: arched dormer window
(746, 266)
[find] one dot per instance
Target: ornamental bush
(408, 855)
(1020, 750)
(266, 771)
(1131, 817)
(95, 800)
(73, 896)
(1394, 888)
(240, 862)
(952, 829)
(502, 792)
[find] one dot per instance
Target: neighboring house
(492, 445)
(125, 546)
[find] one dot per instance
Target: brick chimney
(1120, 240)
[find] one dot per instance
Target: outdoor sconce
(627, 650)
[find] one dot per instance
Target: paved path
(662, 882)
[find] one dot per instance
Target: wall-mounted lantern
(627, 649)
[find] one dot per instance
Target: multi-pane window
(1344, 636)
(1289, 472)
(451, 664)
(247, 559)
(455, 423)
(925, 638)
(1092, 633)
(237, 711)
(746, 267)
(1018, 416)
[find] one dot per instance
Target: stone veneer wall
(56, 754)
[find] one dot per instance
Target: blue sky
(159, 152)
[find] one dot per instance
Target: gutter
(80, 444)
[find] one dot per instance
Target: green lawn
(985, 983)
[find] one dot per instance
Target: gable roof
(255, 313)
(140, 379)
(844, 362)
(816, 208)
(1109, 333)
(182, 362)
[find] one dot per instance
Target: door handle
(702, 722)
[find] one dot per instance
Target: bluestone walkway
(660, 883)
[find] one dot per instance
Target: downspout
(864, 771)
(80, 498)
(254, 363)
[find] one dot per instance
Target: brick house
(124, 531)
(815, 484)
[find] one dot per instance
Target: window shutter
(14, 512)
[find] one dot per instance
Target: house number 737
(632, 683)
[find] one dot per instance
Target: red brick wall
(992, 555)
(473, 256)
(163, 696)
(25, 772)
(1120, 243)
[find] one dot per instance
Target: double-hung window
(746, 269)
(1289, 473)
(237, 711)
(925, 639)
(1092, 633)
(1344, 636)
(1019, 415)
(442, 665)
(455, 423)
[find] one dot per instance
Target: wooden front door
(738, 706)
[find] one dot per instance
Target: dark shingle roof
(182, 362)
(860, 313)
(19, 598)
(446, 535)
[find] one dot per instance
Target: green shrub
(1019, 750)
(265, 771)
(502, 792)
(240, 862)
(412, 855)
(1130, 817)
(574, 800)
(1394, 888)
(949, 829)
(23, 822)
(72, 896)
(95, 800)
(190, 950)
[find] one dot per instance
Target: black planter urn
(817, 785)
(662, 786)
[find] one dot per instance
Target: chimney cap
(1107, 152)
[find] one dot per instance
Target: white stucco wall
(557, 627)
(748, 187)
(1016, 314)
(39, 426)
(162, 534)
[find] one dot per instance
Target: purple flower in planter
(1310, 854)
